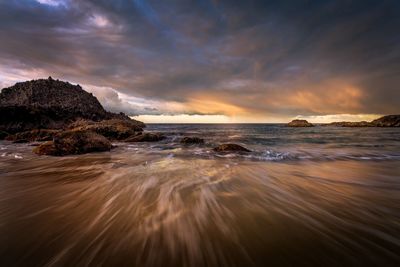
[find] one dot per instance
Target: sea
(319, 196)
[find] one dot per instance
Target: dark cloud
(271, 58)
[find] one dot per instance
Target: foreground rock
(114, 129)
(3, 135)
(230, 148)
(192, 140)
(37, 135)
(299, 123)
(146, 137)
(49, 104)
(74, 143)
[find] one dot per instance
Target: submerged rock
(230, 148)
(114, 129)
(299, 123)
(192, 140)
(145, 137)
(74, 142)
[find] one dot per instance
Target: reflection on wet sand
(116, 209)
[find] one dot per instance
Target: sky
(212, 60)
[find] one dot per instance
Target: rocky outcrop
(299, 123)
(73, 143)
(387, 121)
(49, 104)
(230, 148)
(34, 135)
(146, 137)
(114, 129)
(192, 140)
(350, 124)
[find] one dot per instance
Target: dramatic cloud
(256, 60)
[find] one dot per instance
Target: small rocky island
(385, 121)
(299, 123)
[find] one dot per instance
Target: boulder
(299, 123)
(145, 137)
(192, 140)
(38, 135)
(113, 129)
(74, 142)
(230, 148)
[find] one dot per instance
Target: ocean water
(303, 197)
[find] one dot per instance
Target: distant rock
(114, 129)
(33, 135)
(230, 148)
(145, 137)
(192, 140)
(49, 104)
(387, 121)
(299, 123)
(73, 143)
(349, 124)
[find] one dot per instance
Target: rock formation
(49, 104)
(33, 135)
(146, 137)
(74, 143)
(299, 123)
(113, 129)
(385, 121)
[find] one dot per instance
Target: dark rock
(387, 121)
(299, 123)
(114, 129)
(49, 104)
(192, 140)
(349, 124)
(3, 135)
(146, 137)
(73, 143)
(38, 135)
(230, 148)
(21, 141)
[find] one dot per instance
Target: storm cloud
(264, 59)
